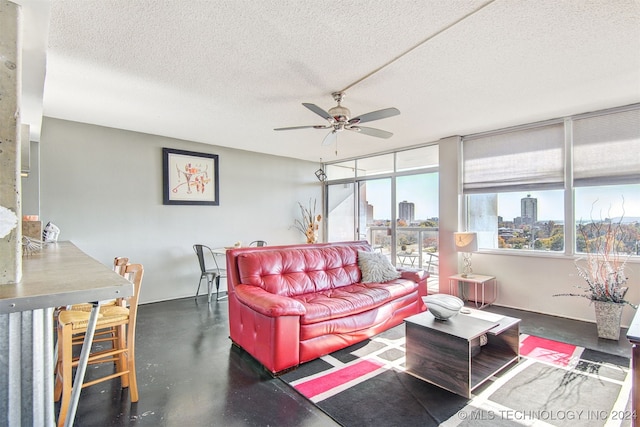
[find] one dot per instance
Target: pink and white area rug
(553, 384)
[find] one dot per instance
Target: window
(531, 220)
(516, 184)
(602, 205)
(390, 200)
(419, 158)
(341, 170)
(518, 160)
(417, 214)
(606, 174)
(606, 149)
(375, 165)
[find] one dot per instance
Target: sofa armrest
(416, 275)
(266, 303)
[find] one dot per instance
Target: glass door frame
(357, 182)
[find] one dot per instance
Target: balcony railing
(416, 247)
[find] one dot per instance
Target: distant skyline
(421, 190)
(590, 202)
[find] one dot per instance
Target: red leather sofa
(293, 304)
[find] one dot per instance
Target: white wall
(529, 283)
(103, 188)
(448, 153)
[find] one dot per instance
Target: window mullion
(569, 207)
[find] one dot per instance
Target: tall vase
(312, 235)
(608, 318)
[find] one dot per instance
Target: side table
(476, 280)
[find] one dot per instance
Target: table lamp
(466, 242)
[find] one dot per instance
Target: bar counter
(61, 274)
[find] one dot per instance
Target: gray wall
(31, 183)
(103, 188)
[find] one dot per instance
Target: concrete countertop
(59, 275)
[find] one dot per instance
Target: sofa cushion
(352, 299)
(299, 271)
(376, 267)
(347, 327)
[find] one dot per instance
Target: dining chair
(258, 243)
(210, 270)
(120, 319)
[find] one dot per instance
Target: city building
(406, 211)
(529, 210)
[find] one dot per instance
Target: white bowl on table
(443, 306)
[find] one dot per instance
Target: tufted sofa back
(297, 270)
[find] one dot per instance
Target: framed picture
(189, 178)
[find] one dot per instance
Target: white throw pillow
(376, 267)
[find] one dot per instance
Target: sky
(591, 202)
(421, 189)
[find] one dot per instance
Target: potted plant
(602, 269)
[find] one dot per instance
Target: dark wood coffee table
(440, 352)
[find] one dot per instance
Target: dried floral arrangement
(308, 224)
(603, 267)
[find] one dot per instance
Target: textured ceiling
(228, 72)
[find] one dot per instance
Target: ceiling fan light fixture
(340, 113)
(338, 119)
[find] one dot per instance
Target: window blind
(531, 158)
(606, 149)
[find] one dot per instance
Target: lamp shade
(466, 242)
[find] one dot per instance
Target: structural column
(26, 356)
(10, 90)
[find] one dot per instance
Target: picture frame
(189, 178)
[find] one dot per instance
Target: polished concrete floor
(189, 374)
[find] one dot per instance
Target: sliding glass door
(341, 207)
(389, 200)
(375, 214)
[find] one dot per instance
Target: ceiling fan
(339, 119)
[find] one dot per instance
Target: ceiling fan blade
(305, 127)
(319, 111)
(375, 115)
(330, 138)
(371, 131)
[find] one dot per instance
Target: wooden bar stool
(117, 318)
(119, 265)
